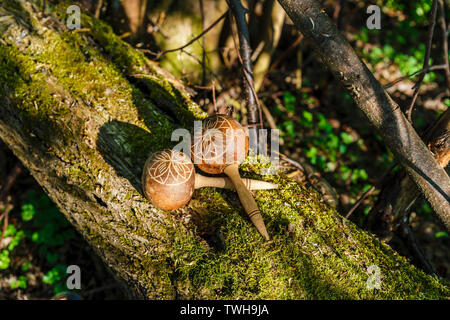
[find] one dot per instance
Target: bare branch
(202, 13)
(368, 192)
(444, 32)
(426, 70)
(282, 57)
(160, 54)
(426, 60)
(254, 110)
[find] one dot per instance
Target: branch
(272, 24)
(282, 57)
(426, 70)
(16, 171)
(160, 54)
(202, 14)
(426, 60)
(370, 97)
(406, 234)
(444, 31)
(249, 82)
(368, 192)
(254, 111)
(399, 193)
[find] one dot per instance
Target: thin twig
(426, 60)
(5, 222)
(202, 14)
(214, 95)
(188, 54)
(407, 235)
(98, 9)
(10, 181)
(291, 161)
(281, 58)
(270, 120)
(368, 192)
(160, 54)
(249, 81)
(244, 56)
(426, 70)
(443, 25)
(199, 62)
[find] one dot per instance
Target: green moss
(17, 71)
(136, 67)
(307, 258)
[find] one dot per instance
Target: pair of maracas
(169, 177)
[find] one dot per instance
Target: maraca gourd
(169, 180)
(226, 183)
(221, 147)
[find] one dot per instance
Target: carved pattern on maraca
(218, 134)
(170, 168)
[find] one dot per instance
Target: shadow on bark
(127, 159)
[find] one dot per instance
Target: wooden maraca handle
(225, 183)
(247, 200)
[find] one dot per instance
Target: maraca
(169, 180)
(221, 147)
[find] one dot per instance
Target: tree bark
(399, 193)
(82, 110)
(370, 97)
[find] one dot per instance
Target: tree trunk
(370, 97)
(82, 111)
(399, 193)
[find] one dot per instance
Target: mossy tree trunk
(82, 110)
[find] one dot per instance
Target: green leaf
(346, 138)
(16, 240)
(312, 152)
(447, 102)
(323, 123)
(27, 212)
(35, 237)
(26, 266)
(19, 283)
(4, 260)
(345, 175)
(321, 162)
(308, 116)
(426, 208)
(55, 274)
(289, 127)
(288, 98)
(441, 234)
(363, 174)
(10, 231)
(333, 142)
